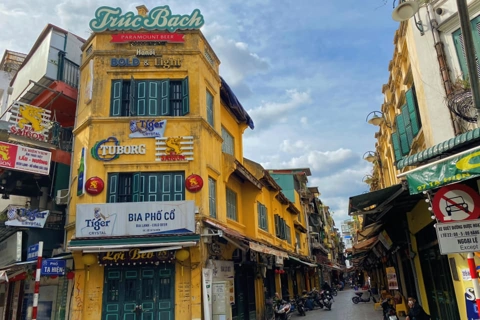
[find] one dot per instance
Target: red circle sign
(94, 186)
(194, 183)
(456, 202)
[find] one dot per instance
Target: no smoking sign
(456, 203)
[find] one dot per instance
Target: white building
(9, 66)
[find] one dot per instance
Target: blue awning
(440, 148)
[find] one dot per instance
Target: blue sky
(308, 72)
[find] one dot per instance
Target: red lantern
(94, 186)
(70, 275)
(54, 277)
(277, 271)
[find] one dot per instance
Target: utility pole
(469, 53)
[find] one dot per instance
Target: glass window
(209, 108)
(228, 143)
(231, 205)
(212, 197)
(262, 217)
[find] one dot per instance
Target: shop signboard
(11, 249)
(148, 37)
(174, 148)
(23, 158)
(458, 237)
(53, 267)
(32, 252)
(135, 255)
(135, 219)
(110, 149)
(455, 169)
(19, 216)
(472, 311)
(392, 278)
(30, 121)
(147, 128)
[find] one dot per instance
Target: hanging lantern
(70, 275)
(88, 260)
(182, 255)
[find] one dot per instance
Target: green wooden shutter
(133, 95)
(153, 98)
(404, 146)
(259, 212)
(116, 98)
(277, 226)
(185, 99)
(212, 197)
(408, 126)
(264, 218)
(112, 188)
(458, 41)
(136, 187)
(142, 89)
(165, 98)
(178, 187)
(412, 110)
(396, 146)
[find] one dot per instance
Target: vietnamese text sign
(19, 216)
(23, 158)
(458, 237)
(134, 256)
(135, 218)
(32, 252)
(11, 249)
(392, 278)
(462, 167)
(53, 267)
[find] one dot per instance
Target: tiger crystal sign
(159, 18)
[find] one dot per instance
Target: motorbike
(300, 302)
(316, 298)
(282, 310)
(334, 291)
(388, 311)
(327, 299)
(363, 297)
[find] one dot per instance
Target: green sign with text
(461, 167)
(159, 18)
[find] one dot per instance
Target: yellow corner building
(164, 211)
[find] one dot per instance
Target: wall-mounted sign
(94, 186)
(147, 37)
(385, 239)
(135, 219)
(124, 62)
(456, 202)
(82, 168)
(145, 52)
(159, 18)
(30, 121)
(32, 252)
(11, 249)
(470, 303)
(134, 256)
(53, 267)
(167, 63)
(392, 278)
(23, 158)
(174, 148)
(110, 149)
(19, 216)
(458, 237)
(147, 128)
(194, 183)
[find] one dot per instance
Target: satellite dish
(405, 11)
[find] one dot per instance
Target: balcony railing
(68, 71)
(61, 137)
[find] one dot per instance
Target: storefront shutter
(141, 99)
(112, 188)
(165, 98)
(153, 98)
(136, 187)
(116, 98)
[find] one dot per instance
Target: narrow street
(343, 308)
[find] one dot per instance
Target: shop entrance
(139, 293)
(436, 277)
(244, 307)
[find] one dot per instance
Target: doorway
(139, 293)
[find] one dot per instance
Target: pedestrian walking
(416, 311)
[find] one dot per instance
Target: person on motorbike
(326, 287)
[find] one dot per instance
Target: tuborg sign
(159, 18)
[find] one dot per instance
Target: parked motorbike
(388, 311)
(334, 291)
(315, 296)
(327, 299)
(363, 297)
(300, 303)
(282, 310)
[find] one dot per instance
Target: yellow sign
(30, 121)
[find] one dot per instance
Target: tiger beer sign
(23, 158)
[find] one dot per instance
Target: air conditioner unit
(62, 197)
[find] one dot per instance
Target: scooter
(327, 299)
(300, 302)
(363, 297)
(282, 310)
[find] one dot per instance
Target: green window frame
(460, 48)
(145, 186)
(210, 108)
(262, 216)
(231, 205)
(212, 197)
(149, 98)
(282, 230)
(288, 234)
(228, 145)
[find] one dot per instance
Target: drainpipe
(442, 62)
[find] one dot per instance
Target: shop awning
(459, 167)
(228, 231)
(439, 149)
(368, 231)
(366, 244)
(312, 265)
(268, 250)
(3, 276)
(375, 201)
(110, 244)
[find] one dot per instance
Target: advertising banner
(462, 167)
(135, 219)
(19, 216)
(23, 158)
(30, 121)
(147, 128)
(11, 249)
(392, 279)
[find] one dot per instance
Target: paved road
(344, 309)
